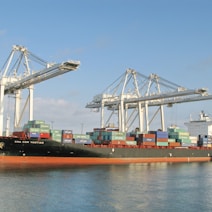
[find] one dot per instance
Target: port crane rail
(17, 75)
(135, 93)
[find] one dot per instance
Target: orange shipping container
(67, 136)
(174, 144)
(149, 143)
(162, 139)
(146, 135)
(130, 138)
(119, 142)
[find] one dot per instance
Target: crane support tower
(17, 75)
(131, 95)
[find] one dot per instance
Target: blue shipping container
(34, 134)
(82, 141)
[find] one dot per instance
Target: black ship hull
(13, 150)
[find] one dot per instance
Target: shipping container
(66, 141)
(56, 137)
(81, 136)
(174, 144)
(33, 134)
(56, 131)
(45, 135)
(147, 143)
(31, 130)
(159, 134)
(131, 142)
(171, 140)
(177, 135)
(36, 122)
(130, 138)
(119, 142)
(43, 126)
(162, 143)
(82, 141)
(67, 132)
(43, 130)
(147, 139)
(162, 140)
(20, 134)
(148, 135)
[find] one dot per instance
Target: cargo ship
(37, 144)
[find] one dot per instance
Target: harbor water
(137, 187)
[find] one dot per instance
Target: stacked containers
(146, 139)
(181, 136)
(82, 139)
(36, 129)
(95, 137)
(56, 135)
(44, 130)
(161, 138)
(115, 137)
(108, 136)
(67, 136)
(172, 140)
(204, 141)
(130, 140)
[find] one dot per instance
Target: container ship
(37, 144)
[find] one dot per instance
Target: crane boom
(40, 76)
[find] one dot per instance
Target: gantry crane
(134, 92)
(17, 75)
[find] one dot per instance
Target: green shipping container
(56, 131)
(121, 137)
(177, 135)
(57, 137)
(37, 130)
(175, 129)
(82, 136)
(160, 143)
(43, 130)
(171, 140)
(184, 140)
(43, 126)
(36, 122)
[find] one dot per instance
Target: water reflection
(135, 187)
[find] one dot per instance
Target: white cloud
(65, 115)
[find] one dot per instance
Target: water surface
(138, 187)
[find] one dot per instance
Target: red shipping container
(20, 134)
(45, 135)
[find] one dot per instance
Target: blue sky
(172, 38)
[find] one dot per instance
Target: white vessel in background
(201, 126)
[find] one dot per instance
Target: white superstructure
(202, 126)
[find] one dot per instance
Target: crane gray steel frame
(149, 91)
(12, 82)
